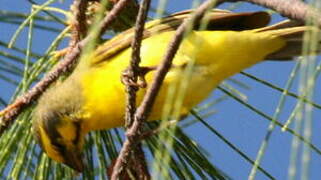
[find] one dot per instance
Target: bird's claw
(127, 77)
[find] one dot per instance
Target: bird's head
(59, 130)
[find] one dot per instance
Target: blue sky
(238, 124)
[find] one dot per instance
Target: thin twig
(296, 10)
(144, 109)
(133, 70)
(112, 15)
(78, 24)
(131, 77)
(140, 161)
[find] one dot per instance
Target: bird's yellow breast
(217, 55)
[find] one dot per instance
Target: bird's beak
(74, 160)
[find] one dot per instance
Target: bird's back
(216, 55)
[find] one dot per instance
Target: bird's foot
(128, 79)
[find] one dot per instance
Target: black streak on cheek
(51, 122)
(59, 147)
(78, 130)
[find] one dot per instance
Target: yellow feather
(217, 55)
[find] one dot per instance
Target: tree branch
(296, 10)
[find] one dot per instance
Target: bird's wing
(217, 20)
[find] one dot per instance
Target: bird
(93, 97)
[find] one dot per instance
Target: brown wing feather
(293, 33)
(218, 20)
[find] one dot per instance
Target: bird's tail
(293, 32)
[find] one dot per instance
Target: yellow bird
(93, 97)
